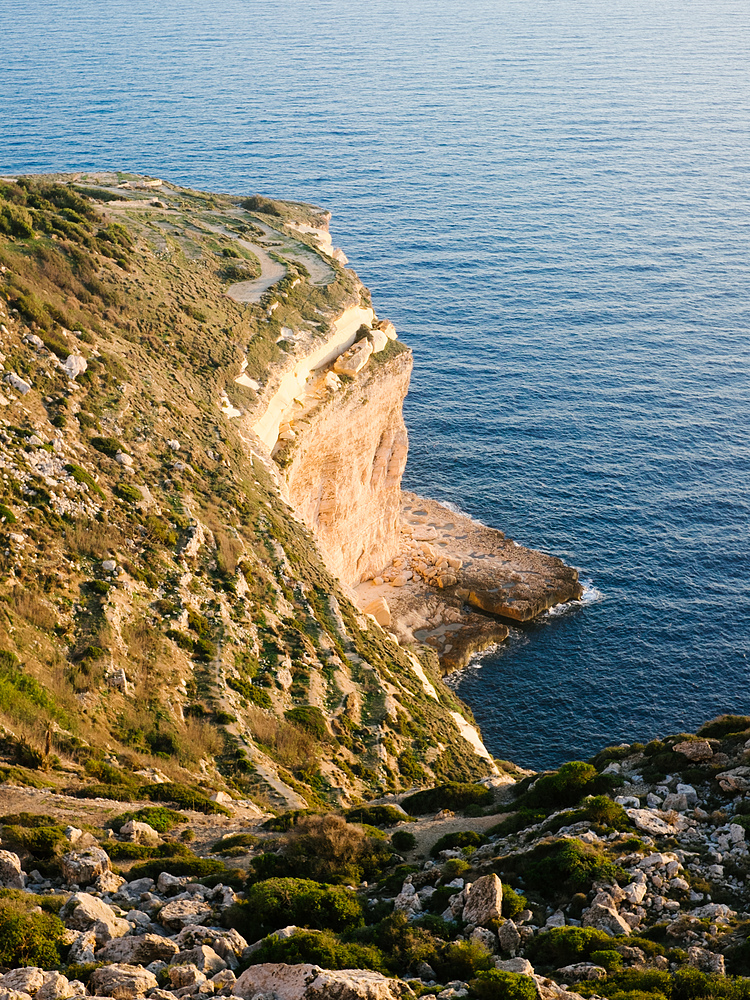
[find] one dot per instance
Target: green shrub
(453, 795)
(184, 797)
(566, 865)
(42, 842)
(457, 839)
(234, 841)
(183, 863)
(566, 945)
(608, 959)
(309, 718)
(566, 787)
(376, 815)
(463, 960)
(403, 840)
(496, 985)
(28, 938)
(100, 587)
(129, 493)
(107, 445)
(517, 821)
(513, 902)
(439, 899)
(329, 849)
(453, 868)
(183, 640)
(160, 818)
(81, 476)
(118, 793)
(30, 820)
(725, 725)
(280, 901)
(7, 515)
(257, 203)
(322, 948)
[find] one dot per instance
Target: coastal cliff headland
(229, 763)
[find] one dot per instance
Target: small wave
(462, 513)
(590, 595)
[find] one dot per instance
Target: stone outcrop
(83, 867)
(123, 982)
(484, 901)
(310, 982)
(12, 875)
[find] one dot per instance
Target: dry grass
(229, 550)
(202, 739)
(29, 606)
(92, 538)
(289, 745)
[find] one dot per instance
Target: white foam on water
(590, 595)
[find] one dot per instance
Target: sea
(551, 200)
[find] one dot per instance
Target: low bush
(563, 866)
(494, 984)
(517, 821)
(277, 902)
(186, 798)
(329, 849)
(457, 839)
(160, 818)
(107, 445)
(129, 493)
(234, 841)
(43, 842)
(180, 860)
(403, 840)
(513, 902)
(452, 795)
(258, 203)
(463, 960)
(608, 959)
(323, 948)
(376, 815)
(566, 786)
(566, 945)
(725, 725)
(26, 937)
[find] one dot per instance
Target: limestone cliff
(344, 475)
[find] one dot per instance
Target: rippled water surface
(550, 199)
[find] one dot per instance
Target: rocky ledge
(455, 582)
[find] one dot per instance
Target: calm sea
(550, 198)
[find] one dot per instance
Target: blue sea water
(550, 198)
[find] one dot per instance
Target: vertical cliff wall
(344, 470)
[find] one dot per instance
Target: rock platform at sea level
(456, 582)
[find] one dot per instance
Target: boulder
(28, 980)
(602, 915)
(407, 901)
(181, 912)
(84, 912)
(141, 950)
(735, 780)
(582, 971)
(140, 833)
(203, 958)
(694, 749)
(55, 987)
(83, 948)
(17, 383)
(108, 882)
(83, 867)
(521, 966)
(228, 944)
(354, 360)
(379, 340)
(310, 982)
(181, 976)
(9, 994)
(168, 884)
(650, 822)
(225, 978)
(509, 937)
(123, 982)
(11, 874)
(74, 365)
(380, 611)
(484, 901)
(635, 892)
(485, 938)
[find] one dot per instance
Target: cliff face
(344, 475)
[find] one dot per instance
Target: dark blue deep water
(551, 200)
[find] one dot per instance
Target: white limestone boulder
(12, 875)
(123, 982)
(484, 901)
(310, 982)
